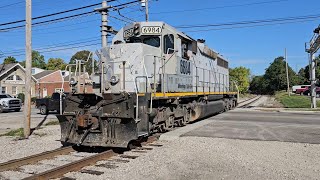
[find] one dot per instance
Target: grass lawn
(294, 101)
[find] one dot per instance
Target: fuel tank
(202, 110)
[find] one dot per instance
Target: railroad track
(247, 103)
(58, 172)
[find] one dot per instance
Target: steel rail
(78, 165)
(74, 166)
(250, 101)
(13, 164)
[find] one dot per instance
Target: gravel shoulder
(215, 158)
(41, 140)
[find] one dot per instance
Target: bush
(33, 99)
(21, 97)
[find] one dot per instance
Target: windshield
(152, 41)
(5, 96)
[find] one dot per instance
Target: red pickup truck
(301, 90)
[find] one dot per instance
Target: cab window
(152, 41)
(168, 44)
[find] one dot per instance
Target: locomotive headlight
(114, 80)
(73, 82)
(136, 29)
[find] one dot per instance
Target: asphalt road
(263, 126)
(14, 120)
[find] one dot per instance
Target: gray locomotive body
(150, 79)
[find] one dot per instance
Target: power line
(12, 4)
(63, 18)
(85, 40)
(57, 13)
(61, 49)
(50, 21)
(249, 26)
(220, 7)
(49, 15)
(293, 18)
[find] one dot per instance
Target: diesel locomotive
(150, 79)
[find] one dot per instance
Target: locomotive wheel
(169, 123)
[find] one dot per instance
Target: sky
(253, 47)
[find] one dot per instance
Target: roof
(43, 74)
(6, 67)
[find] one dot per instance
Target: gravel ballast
(45, 139)
(214, 158)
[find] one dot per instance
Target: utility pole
(145, 3)
(312, 49)
(27, 100)
(147, 10)
(287, 72)
(104, 24)
(313, 82)
(104, 38)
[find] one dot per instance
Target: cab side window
(168, 44)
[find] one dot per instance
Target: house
(36, 70)
(49, 81)
(12, 80)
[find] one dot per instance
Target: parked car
(301, 90)
(50, 104)
(307, 92)
(294, 88)
(9, 103)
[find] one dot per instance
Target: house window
(3, 90)
(33, 71)
(10, 78)
(14, 89)
(18, 78)
(58, 90)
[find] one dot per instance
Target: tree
(304, 73)
(83, 55)
(241, 76)
(9, 60)
(37, 60)
(259, 85)
(276, 75)
(56, 64)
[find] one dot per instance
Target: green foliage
(10, 60)
(240, 75)
(21, 97)
(16, 132)
(276, 75)
(259, 85)
(56, 64)
(37, 60)
(275, 78)
(83, 55)
(294, 101)
(304, 73)
(33, 99)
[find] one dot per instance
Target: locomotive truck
(150, 79)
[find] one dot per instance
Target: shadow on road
(39, 125)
